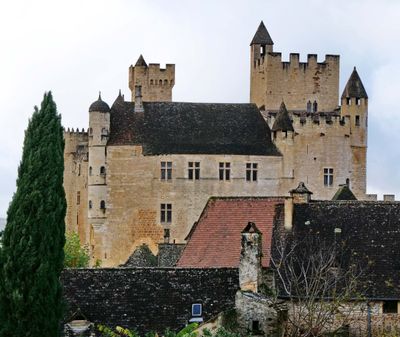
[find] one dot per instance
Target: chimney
(301, 194)
(250, 272)
(138, 99)
(288, 211)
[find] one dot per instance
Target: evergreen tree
(32, 254)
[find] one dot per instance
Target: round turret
(99, 106)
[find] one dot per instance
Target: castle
(145, 168)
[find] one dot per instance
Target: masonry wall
(294, 82)
(148, 299)
(319, 142)
(75, 183)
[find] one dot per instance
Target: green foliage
(32, 256)
(76, 256)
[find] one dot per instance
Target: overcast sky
(76, 48)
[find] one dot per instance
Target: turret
(282, 121)
(261, 44)
(156, 83)
(99, 128)
(355, 106)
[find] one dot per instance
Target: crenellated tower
(99, 127)
(296, 83)
(156, 82)
(355, 107)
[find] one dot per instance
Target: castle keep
(145, 168)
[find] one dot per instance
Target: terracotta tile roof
(215, 241)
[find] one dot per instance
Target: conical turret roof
(282, 120)
(354, 87)
(141, 62)
(262, 36)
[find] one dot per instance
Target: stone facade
(118, 174)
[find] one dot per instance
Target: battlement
(156, 82)
(294, 60)
(75, 141)
(77, 132)
(322, 124)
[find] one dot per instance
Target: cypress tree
(32, 254)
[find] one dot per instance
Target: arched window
(165, 82)
(102, 204)
(90, 170)
(171, 82)
(160, 82)
(309, 106)
(151, 82)
(315, 106)
(90, 204)
(102, 170)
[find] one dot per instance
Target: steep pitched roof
(369, 233)
(141, 62)
(282, 120)
(191, 128)
(216, 239)
(354, 87)
(262, 36)
(344, 193)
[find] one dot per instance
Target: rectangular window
(251, 171)
(194, 170)
(390, 307)
(166, 213)
(328, 176)
(78, 198)
(357, 120)
(197, 309)
(166, 235)
(166, 170)
(348, 100)
(358, 101)
(224, 171)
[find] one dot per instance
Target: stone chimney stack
(301, 194)
(138, 99)
(250, 269)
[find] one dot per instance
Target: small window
(390, 307)
(357, 121)
(255, 327)
(166, 235)
(90, 171)
(166, 170)
(165, 82)
(78, 198)
(197, 310)
(358, 101)
(151, 82)
(328, 176)
(315, 106)
(194, 170)
(160, 82)
(166, 213)
(348, 100)
(90, 204)
(102, 204)
(79, 169)
(102, 171)
(251, 171)
(262, 50)
(224, 171)
(90, 132)
(309, 106)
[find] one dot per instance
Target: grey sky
(76, 48)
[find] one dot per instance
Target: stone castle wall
(294, 82)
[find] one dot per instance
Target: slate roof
(191, 128)
(301, 188)
(282, 120)
(370, 235)
(99, 106)
(262, 36)
(141, 62)
(215, 240)
(344, 193)
(354, 86)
